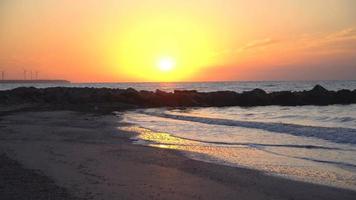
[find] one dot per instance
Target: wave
(345, 119)
(337, 163)
(333, 134)
(254, 145)
(249, 144)
(261, 147)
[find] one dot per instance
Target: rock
(90, 97)
(130, 92)
(161, 93)
(258, 92)
(284, 98)
(188, 92)
(220, 98)
(256, 97)
(344, 97)
(319, 89)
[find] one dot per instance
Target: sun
(166, 64)
(157, 48)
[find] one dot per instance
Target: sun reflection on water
(245, 156)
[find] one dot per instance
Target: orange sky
(203, 40)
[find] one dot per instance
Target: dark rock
(317, 96)
(88, 98)
(319, 89)
(220, 98)
(161, 93)
(258, 91)
(344, 97)
(188, 92)
(256, 97)
(284, 98)
(131, 91)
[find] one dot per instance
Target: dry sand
(91, 159)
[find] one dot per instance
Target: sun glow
(150, 49)
(166, 64)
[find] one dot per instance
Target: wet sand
(88, 156)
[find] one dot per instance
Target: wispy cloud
(343, 40)
(346, 33)
(255, 44)
(258, 43)
(337, 42)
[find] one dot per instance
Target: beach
(178, 100)
(88, 156)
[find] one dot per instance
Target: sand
(88, 157)
(20, 183)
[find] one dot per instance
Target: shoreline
(149, 138)
(88, 156)
(210, 158)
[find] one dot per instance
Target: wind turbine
(3, 75)
(24, 74)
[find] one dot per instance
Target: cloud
(346, 33)
(255, 44)
(340, 42)
(258, 43)
(343, 40)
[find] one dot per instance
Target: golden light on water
(240, 155)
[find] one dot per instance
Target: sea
(315, 144)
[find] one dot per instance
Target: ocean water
(309, 143)
(237, 86)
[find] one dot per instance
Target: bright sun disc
(166, 64)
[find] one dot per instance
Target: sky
(175, 40)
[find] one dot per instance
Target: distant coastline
(34, 81)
